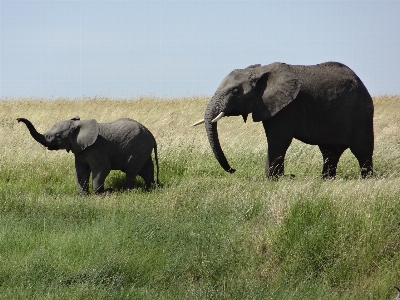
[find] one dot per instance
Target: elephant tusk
(221, 115)
(198, 123)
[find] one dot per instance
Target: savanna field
(203, 233)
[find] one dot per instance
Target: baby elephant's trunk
(36, 135)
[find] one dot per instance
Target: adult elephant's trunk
(212, 111)
(40, 138)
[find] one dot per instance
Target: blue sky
(183, 48)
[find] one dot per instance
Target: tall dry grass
(205, 233)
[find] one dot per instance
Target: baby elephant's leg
(147, 173)
(99, 176)
(130, 180)
(133, 167)
(82, 174)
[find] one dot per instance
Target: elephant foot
(276, 177)
(108, 191)
(329, 172)
(105, 192)
(367, 176)
(367, 173)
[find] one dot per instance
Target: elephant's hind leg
(366, 167)
(147, 173)
(142, 166)
(365, 162)
(331, 155)
(363, 149)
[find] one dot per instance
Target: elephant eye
(58, 136)
(235, 92)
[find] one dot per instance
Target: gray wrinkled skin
(124, 145)
(325, 105)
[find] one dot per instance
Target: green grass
(204, 234)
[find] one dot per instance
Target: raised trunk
(36, 135)
(212, 111)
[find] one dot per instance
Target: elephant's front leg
(82, 174)
(278, 143)
(275, 165)
(99, 175)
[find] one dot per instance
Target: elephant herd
(325, 104)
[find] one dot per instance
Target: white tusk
(198, 123)
(221, 115)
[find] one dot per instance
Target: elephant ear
(87, 132)
(277, 85)
(253, 66)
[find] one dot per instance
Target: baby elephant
(123, 144)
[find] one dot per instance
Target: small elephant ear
(253, 66)
(86, 136)
(277, 85)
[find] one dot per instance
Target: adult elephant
(325, 105)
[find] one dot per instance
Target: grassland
(204, 234)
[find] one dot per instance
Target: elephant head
(260, 90)
(72, 135)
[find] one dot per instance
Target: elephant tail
(156, 158)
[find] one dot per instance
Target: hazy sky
(183, 48)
